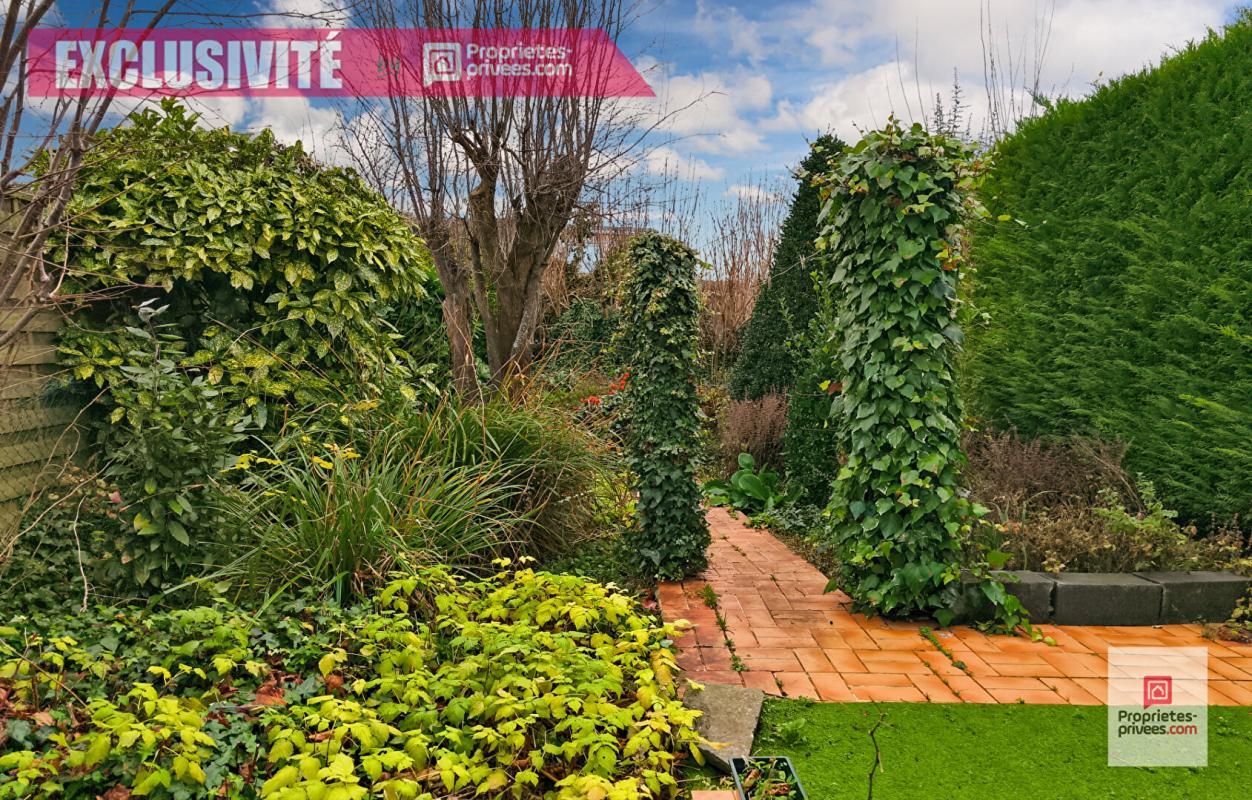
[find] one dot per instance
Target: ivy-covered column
(670, 536)
(891, 227)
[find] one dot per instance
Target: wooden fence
(34, 432)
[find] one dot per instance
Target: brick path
(795, 640)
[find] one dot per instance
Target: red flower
(591, 400)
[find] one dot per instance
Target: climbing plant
(891, 226)
(670, 535)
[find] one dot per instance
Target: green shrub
(523, 684)
(170, 435)
(1239, 627)
(329, 517)
(276, 270)
(226, 281)
(785, 305)
(585, 336)
(1118, 307)
(133, 525)
(671, 534)
(892, 224)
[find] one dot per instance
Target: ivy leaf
(909, 248)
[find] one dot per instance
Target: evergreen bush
(1120, 302)
(786, 303)
(810, 447)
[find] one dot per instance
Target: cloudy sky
(742, 86)
(766, 77)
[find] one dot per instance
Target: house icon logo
(441, 62)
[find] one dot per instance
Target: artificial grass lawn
(988, 752)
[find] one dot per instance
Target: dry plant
(1069, 505)
(1012, 72)
(42, 153)
(740, 250)
(1015, 476)
(756, 427)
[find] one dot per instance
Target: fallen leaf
(270, 694)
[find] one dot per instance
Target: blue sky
(785, 72)
(757, 80)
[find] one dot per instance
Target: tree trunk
(511, 325)
(458, 312)
(459, 322)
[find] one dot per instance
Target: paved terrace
(794, 640)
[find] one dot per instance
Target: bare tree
(491, 182)
(33, 202)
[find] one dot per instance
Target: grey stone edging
(1140, 598)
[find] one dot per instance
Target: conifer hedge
(810, 444)
(786, 304)
(1121, 304)
(670, 536)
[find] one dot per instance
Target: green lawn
(988, 752)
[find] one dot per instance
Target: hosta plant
(748, 490)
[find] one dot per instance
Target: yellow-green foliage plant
(520, 685)
(891, 227)
(671, 535)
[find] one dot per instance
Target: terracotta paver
(791, 638)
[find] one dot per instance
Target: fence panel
(35, 432)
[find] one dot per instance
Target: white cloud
(754, 192)
(319, 129)
(307, 13)
(218, 112)
(725, 25)
(846, 107)
(1069, 45)
(666, 160)
(711, 110)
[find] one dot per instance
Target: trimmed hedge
(810, 444)
(1122, 307)
(671, 535)
(786, 303)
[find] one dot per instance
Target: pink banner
(355, 62)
